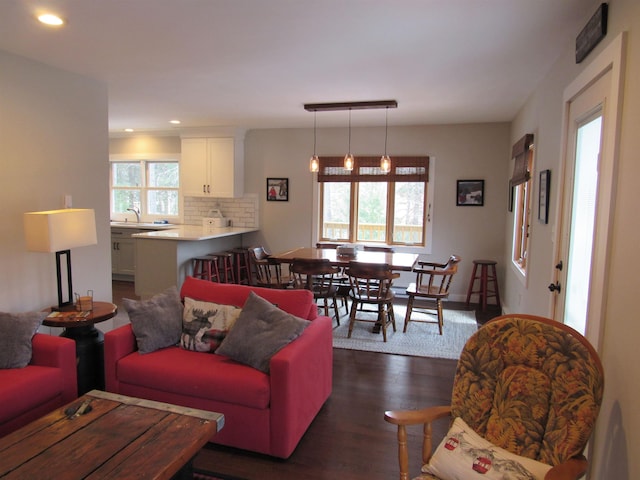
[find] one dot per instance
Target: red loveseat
(48, 382)
(264, 413)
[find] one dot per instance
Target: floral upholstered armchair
(526, 396)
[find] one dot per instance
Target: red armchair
(48, 382)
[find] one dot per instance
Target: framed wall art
(277, 189)
(543, 196)
(470, 193)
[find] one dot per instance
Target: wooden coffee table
(116, 437)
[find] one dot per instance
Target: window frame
(144, 161)
(522, 183)
(367, 169)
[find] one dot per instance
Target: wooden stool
(241, 266)
(485, 277)
(225, 267)
(206, 268)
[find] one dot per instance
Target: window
(369, 206)
(521, 182)
(151, 186)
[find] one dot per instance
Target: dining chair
(526, 394)
(268, 270)
(317, 275)
(341, 281)
(371, 285)
(431, 286)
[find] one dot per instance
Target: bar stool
(206, 268)
(225, 267)
(485, 277)
(241, 266)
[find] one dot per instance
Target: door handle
(555, 287)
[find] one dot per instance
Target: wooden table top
(115, 437)
(101, 311)
(398, 261)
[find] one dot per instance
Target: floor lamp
(59, 231)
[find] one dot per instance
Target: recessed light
(50, 19)
(175, 122)
(128, 130)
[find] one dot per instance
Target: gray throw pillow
(16, 332)
(156, 322)
(260, 331)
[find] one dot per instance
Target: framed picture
(543, 196)
(470, 193)
(277, 189)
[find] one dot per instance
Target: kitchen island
(163, 257)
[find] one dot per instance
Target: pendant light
(385, 161)
(314, 163)
(348, 159)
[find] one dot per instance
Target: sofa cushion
(16, 332)
(27, 388)
(157, 322)
(196, 374)
(463, 454)
(297, 302)
(206, 324)
(260, 331)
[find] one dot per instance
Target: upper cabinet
(212, 167)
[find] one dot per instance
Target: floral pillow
(205, 324)
(465, 455)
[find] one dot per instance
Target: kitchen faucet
(136, 211)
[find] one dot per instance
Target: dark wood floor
(349, 439)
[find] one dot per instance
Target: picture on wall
(543, 196)
(470, 193)
(277, 189)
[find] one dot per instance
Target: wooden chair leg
(440, 314)
(392, 316)
(352, 316)
(407, 316)
(383, 320)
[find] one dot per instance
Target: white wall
(618, 430)
(53, 141)
(473, 151)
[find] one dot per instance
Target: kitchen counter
(194, 233)
(164, 257)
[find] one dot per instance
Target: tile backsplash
(243, 211)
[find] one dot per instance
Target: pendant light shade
(314, 163)
(348, 158)
(385, 161)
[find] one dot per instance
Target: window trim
(144, 158)
(367, 169)
(522, 182)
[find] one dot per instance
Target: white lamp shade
(56, 230)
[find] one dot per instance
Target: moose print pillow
(206, 324)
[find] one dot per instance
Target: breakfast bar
(163, 257)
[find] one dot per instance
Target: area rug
(421, 339)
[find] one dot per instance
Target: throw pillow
(260, 331)
(16, 332)
(156, 322)
(465, 455)
(206, 324)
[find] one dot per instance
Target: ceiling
(254, 63)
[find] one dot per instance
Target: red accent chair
(48, 382)
(264, 413)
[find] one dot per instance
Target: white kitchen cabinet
(123, 252)
(212, 167)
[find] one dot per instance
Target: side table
(89, 342)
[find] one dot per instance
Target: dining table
(401, 261)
